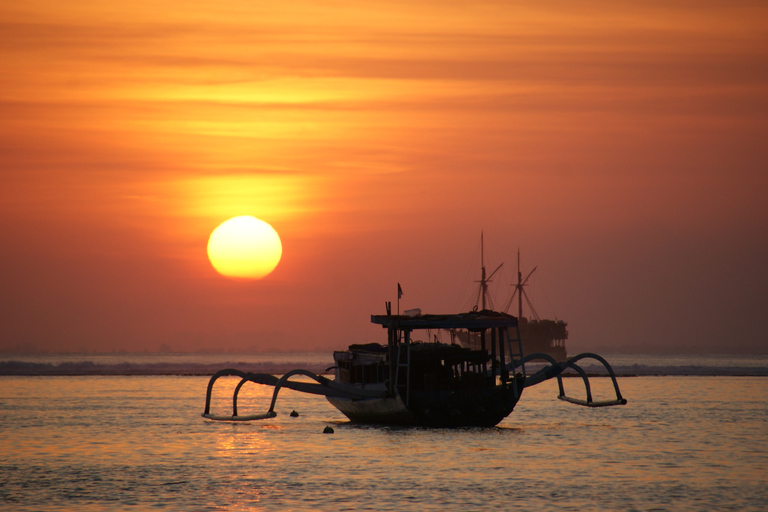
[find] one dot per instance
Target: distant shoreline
(86, 368)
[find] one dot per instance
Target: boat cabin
(409, 366)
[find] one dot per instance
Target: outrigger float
(434, 384)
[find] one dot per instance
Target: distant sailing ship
(536, 334)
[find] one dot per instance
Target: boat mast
(483, 291)
(483, 280)
(519, 289)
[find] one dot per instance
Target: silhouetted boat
(430, 383)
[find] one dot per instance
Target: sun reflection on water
(687, 442)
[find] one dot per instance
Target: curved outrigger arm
(323, 386)
(555, 369)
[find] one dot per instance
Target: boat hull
(389, 410)
(466, 408)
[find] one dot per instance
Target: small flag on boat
(399, 291)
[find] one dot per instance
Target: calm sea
(96, 442)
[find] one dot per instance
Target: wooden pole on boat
(519, 289)
(493, 353)
(502, 358)
(391, 344)
(483, 281)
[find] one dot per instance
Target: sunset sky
(621, 146)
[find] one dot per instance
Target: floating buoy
(294, 414)
(328, 430)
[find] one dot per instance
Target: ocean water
(99, 442)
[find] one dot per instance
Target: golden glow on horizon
(244, 247)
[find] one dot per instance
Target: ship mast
(519, 288)
(483, 291)
(483, 280)
(520, 291)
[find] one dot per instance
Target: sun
(244, 247)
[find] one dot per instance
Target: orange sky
(621, 147)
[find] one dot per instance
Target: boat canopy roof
(473, 320)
